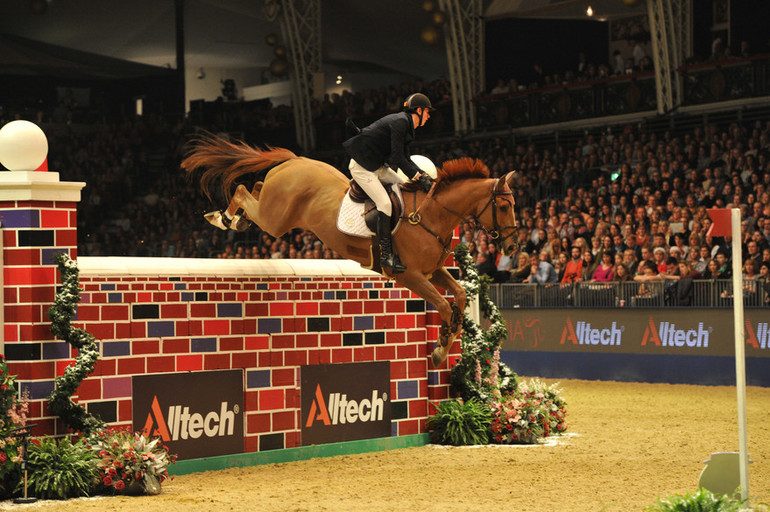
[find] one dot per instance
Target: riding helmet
(417, 100)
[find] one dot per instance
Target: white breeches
(372, 183)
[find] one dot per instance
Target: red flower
(107, 480)
(3, 457)
(120, 485)
(112, 471)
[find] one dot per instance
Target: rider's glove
(426, 182)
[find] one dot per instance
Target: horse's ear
(505, 180)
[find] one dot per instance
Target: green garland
(479, 373)
(61, 313)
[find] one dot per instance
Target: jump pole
(721, 227)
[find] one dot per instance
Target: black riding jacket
(385, 141)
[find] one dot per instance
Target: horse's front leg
(417, 283)
(443, 279)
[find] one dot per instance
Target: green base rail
(184, 467)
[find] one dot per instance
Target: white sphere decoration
(23, 146)
(426, 165)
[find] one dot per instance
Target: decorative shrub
(61, 313)
(60, 470)
(701, 500)
(479, 373)
(459, 422)
(130, 463)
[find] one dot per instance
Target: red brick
(176, 346)
(281, 341)
(29, 313)
(124, 410)
(307, 309)
(282, 309)
(258, 423)
(105, 367)
(243, 360)
(408, 427)
(23, 256)
(66, 237)
(259, 342)
(216, 327)
(54, 219)
(329, 308)
(342, 355)
(115, 312)
(161, 364)
(416, 335)
(10, 295)
(271, 399)
(230, 344)
(40, 294)
(89, 389)
(405, 321)
(37, 332)
(189, 363)
(352, 307)
(418, 408)
(145, 347)
(20, 276)
(363, 354)
(251, 400)
(385, 353)
(309, 340)
(295, 357)
(173, 311)
(101, 331)
(34, 371)
(283, 421)
(395, 306)
(406, 351)
(216, 361)
(398, 370)
(87, 312)
(131, 366)
(9, 238)
(264, 359)
(417, 369)
(373, 306)
(257, 309)
(203, 310)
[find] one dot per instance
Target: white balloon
(23, 146)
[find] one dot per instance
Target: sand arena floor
(629, 444)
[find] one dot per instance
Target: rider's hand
(426, 182)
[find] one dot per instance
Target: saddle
(357, 195)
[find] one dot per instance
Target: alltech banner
(674, 331)
(197, 414)
(345, 402)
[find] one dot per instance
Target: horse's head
(498, 216)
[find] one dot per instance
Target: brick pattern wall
(32, 232)
(269, 326)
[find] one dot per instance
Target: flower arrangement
(130, 463)
(13, 414)
(531, 412)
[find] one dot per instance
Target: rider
(376, 151)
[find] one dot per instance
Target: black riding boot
(387, 258)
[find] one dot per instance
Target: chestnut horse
(298, 192)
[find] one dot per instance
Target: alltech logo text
(179, 423)
(758, 337)
(583, 333)
(341, 410)
(345, 402)
(668, 334)
(197, 414)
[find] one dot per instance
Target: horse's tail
(224, 162)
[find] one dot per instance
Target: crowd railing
(682, 293)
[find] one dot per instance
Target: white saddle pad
(351, 217)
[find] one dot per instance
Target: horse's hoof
(438, 356)
(215, 218)
(240, 223)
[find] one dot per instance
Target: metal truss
(671, 33)
(301, 29)
(464, 36)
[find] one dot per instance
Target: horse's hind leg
(245, 202)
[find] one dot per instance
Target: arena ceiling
(357, 35)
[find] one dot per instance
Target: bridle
(415, 218)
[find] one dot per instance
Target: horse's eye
(504, 208)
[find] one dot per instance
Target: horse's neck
(464, 198)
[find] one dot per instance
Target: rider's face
(424, 115)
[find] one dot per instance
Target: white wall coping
(109, 266)
(38, 186)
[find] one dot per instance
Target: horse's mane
(453, 170)
(223, 162)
